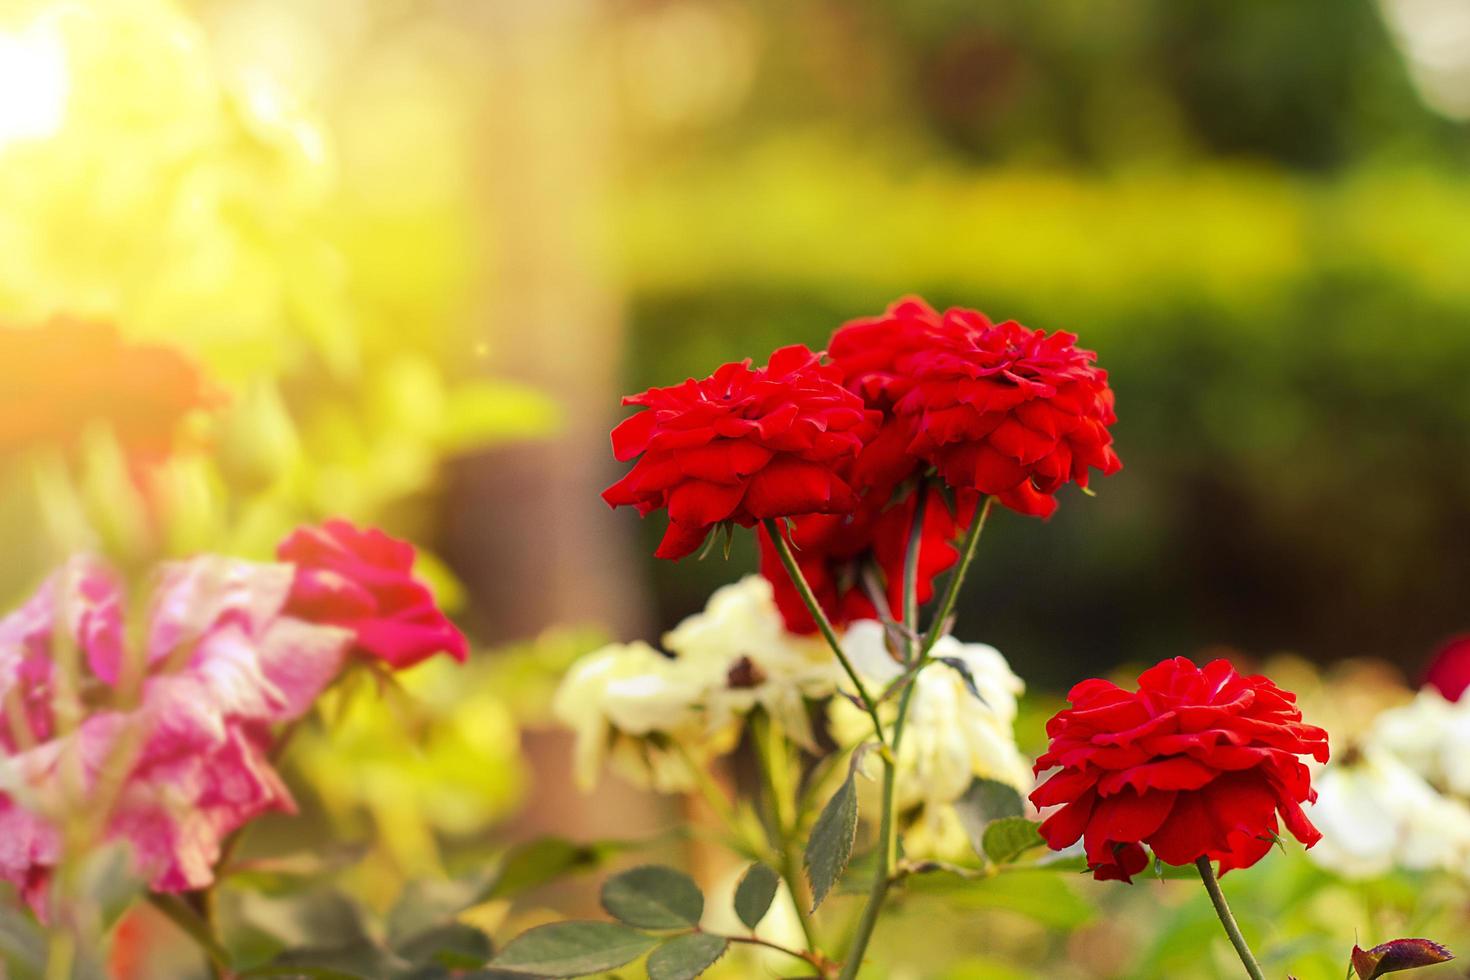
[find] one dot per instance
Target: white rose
(628, 691)
(1430, 735)
(1377, 813)
(744, 656)
(951, 736)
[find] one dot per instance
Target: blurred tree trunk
(536, 543)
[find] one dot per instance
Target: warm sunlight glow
(33, 85)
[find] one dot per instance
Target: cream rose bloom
(652, 714)
(1377, 814)
(632, 703)
(1401, 798)
(744, 656)
(1432, 737)
(951, 737)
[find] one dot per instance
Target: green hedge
(1291, 360)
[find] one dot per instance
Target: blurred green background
(1258, 214)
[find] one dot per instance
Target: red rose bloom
(363, 580)
(831, 550)
(873, 354)
(1009, 411)
(742, 445)
(1195, 763)
(1449, 671)
(67, 373)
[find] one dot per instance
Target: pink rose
(363, 580)
(221, 664)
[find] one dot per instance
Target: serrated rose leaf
(1006, 839)
(830, 846)
(686, 957)
(572, 949)
(653, 897)
(986, 800)
(755, 893)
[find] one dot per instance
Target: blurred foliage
(198, 203)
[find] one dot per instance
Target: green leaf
(1008, 838)
(186, 918)
(353, 961)
(426, 904)
(319, 918)
(754, 894)
(984, 801)
(454, 945)
(539, 861)
(362, 958)
(573, 949)
(830, 846)
(686, 957)
(107, 877)
(1048, 899)
(21, 939)
(963, 669)
(653, 897)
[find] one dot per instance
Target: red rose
(873, 355)
(870, 356)
(363, 580)
(742, 445)
(67, 373)
(1449, 671)
(831, 550)
(1005, 410)
(1196, 763)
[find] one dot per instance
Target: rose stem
(952, 591)
(1222, 909)
(888, 830)
(824, 624)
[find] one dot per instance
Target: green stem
(782, 829)
(888, 823)
(713, 796)
(1232, 929)
(887, 834)
(812, 958)
(188, 919)
(911, 575)
(200, 904)
(793, 570)
(952, 590)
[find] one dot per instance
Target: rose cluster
(231, 650)
(911, 407)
